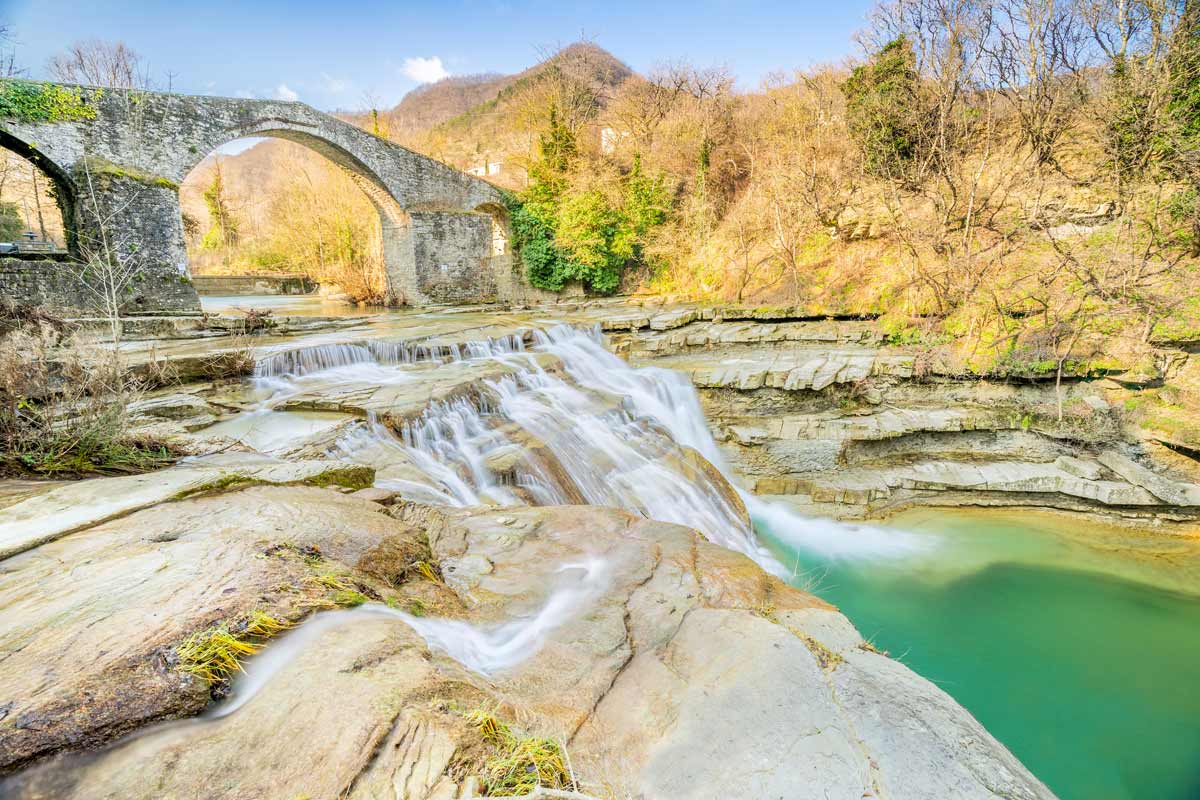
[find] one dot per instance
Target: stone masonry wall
(452, 257)
(227, 285)
(52, 284)
(142, 229)
(63, 287)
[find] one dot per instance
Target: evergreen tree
(223, 232)
(882, 99)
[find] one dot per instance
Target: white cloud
(334, 85)
(424, 70)
(282, 92)
(245, 94)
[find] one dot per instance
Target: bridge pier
(134, 225)
(446, 258)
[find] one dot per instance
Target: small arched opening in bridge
(499, 216)
(37, 202)
(282, 206)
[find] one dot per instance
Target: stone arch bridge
(116, 158)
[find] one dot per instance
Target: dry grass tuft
(63, 408)
(215, 653)
(519, 764)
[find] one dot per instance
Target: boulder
(90, 651)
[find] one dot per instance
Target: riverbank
(826, 416)
(536, 539)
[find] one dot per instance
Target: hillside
(432, 104)
(472, 121)
(252, 178)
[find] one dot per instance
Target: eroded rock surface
(823, 414)
(688, 673)
(48, 515)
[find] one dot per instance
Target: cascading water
(602, 434)
(317, 358)
(592, 430)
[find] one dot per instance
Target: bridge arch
(65, 193)
(301, 204)
(438, 245)
(365, 177)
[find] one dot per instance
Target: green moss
(30, 101)
(100, 167)
(220, 484)
(356, 477)
(350, 598)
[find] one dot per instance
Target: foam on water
(834, 540)
(319, 358)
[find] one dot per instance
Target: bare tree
(8, 54)
(94, 62)
(111, 263)
(1035, 56)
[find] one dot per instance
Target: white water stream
(594, 430)
(482, 649)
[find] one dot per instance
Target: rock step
(800, 371)
(421, 386)
(82, 504)
(877, 486)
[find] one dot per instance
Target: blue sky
(336, 55)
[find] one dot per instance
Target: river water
(1074, 643)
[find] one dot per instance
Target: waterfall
(596, 431)
(318, 358)
(602, 433)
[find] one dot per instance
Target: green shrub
(567, 227)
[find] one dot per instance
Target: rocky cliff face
(823, 415)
